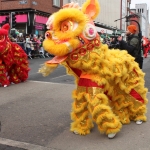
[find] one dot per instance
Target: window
(56, 3)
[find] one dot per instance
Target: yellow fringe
(46, 69)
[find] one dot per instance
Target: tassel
(46, 69)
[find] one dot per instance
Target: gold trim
(90, 90)
(6, 49)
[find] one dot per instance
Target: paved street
(35, 115)
(146, 69)
(58, 76)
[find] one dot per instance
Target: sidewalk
(36, 116)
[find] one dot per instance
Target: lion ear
(91, 8)
(6, 26)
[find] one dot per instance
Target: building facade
(31, 15)
(143, 12)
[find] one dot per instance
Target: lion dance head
(4, 38)
(71, 27)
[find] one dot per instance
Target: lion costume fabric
(13, 60)
(110, 85)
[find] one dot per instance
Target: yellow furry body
(119, 74)
(110, 85)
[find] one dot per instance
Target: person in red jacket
(146, 46)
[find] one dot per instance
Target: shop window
(56, 3)
(21, 27)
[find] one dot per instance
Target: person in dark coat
(21, 42)
(133, 44)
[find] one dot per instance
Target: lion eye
(47, 35)
(1, 37)
(66, 26)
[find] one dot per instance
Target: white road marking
(23, 145)
(60, 76)
(53, 83)
(49, 82)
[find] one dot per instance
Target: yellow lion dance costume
(110, 85)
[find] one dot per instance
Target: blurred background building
(143, 18)
(31, 15)
(110, 11)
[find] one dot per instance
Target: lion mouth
(57, 41)
(81, 40)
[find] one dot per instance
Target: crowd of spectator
(31, 44)
(112, 42)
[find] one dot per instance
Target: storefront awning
(41, 19)
(102, 30)
(2, 18)
(21, 18)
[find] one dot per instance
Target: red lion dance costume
(110, 85)
(13, 60)
(146, 46)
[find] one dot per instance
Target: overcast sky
(133, 2)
